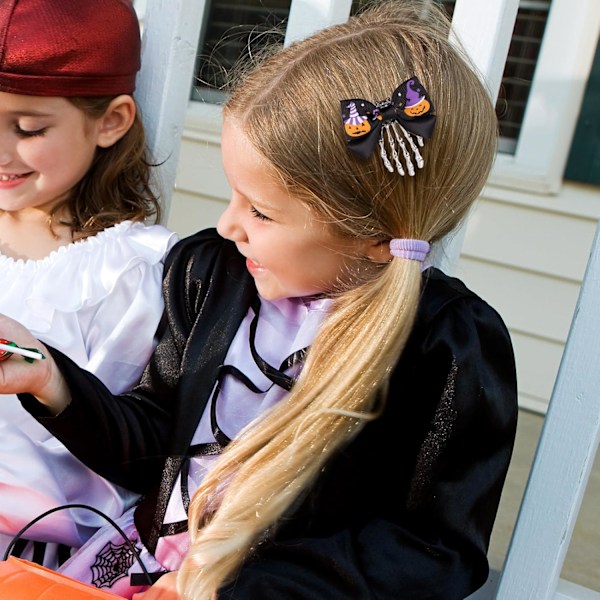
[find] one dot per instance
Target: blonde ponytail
(268, 467)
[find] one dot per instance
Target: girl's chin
(269, 292)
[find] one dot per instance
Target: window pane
(232, 29)
(519, 70)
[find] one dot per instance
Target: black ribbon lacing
(276, 376)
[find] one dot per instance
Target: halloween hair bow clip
(398, 125)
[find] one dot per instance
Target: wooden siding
(526, 255)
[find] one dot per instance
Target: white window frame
(556, 93)
(309, 16)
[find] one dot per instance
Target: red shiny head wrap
(68, 47)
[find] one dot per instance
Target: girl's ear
(116, 121)
(378, 251)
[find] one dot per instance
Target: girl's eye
(258, 214)
(29, 133)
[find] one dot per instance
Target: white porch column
(169, 49)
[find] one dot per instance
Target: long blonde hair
(289, 107)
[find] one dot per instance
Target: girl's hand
(164, 589)
(40, 377)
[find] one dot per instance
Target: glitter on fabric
(436, 440)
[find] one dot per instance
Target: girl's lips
(253, 267)
(12, 180)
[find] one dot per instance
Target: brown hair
(289, 108)
(117, 185)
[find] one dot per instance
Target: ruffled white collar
(77, 275)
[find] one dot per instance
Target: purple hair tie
(409, 249)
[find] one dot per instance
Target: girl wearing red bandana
(79, 265)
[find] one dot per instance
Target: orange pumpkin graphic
(357, 129)
(418, 109)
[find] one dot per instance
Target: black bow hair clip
(391, 123)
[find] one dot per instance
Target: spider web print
(112, 563)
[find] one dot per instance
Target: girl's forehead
(242, 162)
(32, 104)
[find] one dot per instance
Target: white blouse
(99, 301)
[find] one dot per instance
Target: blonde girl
(335, 416)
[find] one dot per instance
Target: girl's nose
(230, 224)
(6, 153)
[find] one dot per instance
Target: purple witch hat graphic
(356, 125)
(416, 103)
(354, 118)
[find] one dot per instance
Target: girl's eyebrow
(28, 113)
(259, 202)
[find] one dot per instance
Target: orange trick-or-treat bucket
(23, 580)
